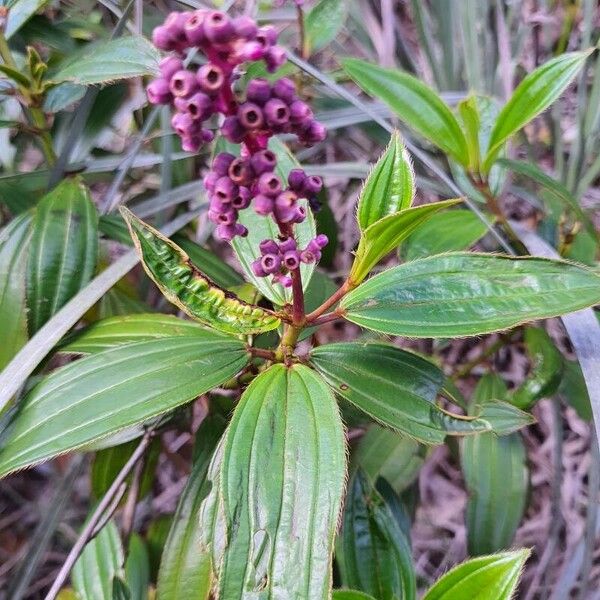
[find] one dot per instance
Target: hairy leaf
(190, 290)
(492, 577)
(395, 387)
(533, 95)
(63, 252)
(324, 22)
(417, 105)
(372, 551)
(466, 294)
(385, 235)
(109, 391)
(281, 482)
(390, 186)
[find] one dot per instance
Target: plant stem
(332, 316)
(304, 50)
(333, 299)
(262, 353)
(298, 313)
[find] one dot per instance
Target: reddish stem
(332, 300)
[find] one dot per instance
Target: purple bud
(183, 84)
(199, 106)
(227, 232)
(183, 124)
(251, 51)
(321, 240)
(312, 185)
(263, 205)
(217, 205)
(287, 245)
(180, 104)
(228, 217)
(232, 130)
(291, 260)
(316, 132)
(174, 29)
(210, 78)
(194, 28)
(163, 39)
(257, 268)
(207, 135)
(225, 189)
(221, 162)
(210, 181)
(169, 66)
(268, 247)
(300, 112)
(299, 214)
(240, 172)
(250, 116)
(242, 200)
(191, 143)
(285, 89)
(296, 179)
(213, 215)
(284, 280)
(218, 27)
(310, 256)
(269, 184)
(263, 161)
(276, 112)
(271, 263)
(245, 27)
(275, 57)
(267, 35)
(158, 92)
(258, 91)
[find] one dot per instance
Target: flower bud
(194, 28)
(269, 184)
(210, 181)
(169, 65)
(284, 280)
(291, 260)
(267, 35)
(158, 92)
(163, 39)
(232, 130)
(245, 27)
(250, 116)
(228, 217)
(263, 161)
(242, 200)
(217, 205)
(227, 232)
(268, 247)
(312, 185)
(276, 112)
(274, 57)
(257, 268)
(310, 256)
(218, 27)
(210, 78)
(250, 52)
(296, 180)
(263, 205)
(221, 162)
(191, 143)
(285, 89)
(240, 172)
(199, 106)
(258, 91)
(271, 263)
(287, 245)
(300, 112)
(315, 133)
(183, 124)
(225, 189)
(183, 84)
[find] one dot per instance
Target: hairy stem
(347, 286)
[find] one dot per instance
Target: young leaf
(190, 290)
(109, 391)
(385, 235)
(14, 245)
(465, 294)
(324, 22)
(372, 551)
(281, 504)
(186, 570)
(122, 330)
(395, 387)
(390, 186)
(492, 577)
(103, 62)
(469, 114)
(447, 231)
(63, 252)
(533, 95)
(504, 418)
(100, 562)
(546, 369)
(419, 107)
(496, 478)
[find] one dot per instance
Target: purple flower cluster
(279, 259)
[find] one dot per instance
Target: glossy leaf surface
(282, 480)
(466, 294)
(109, 391)
(185, 569)
(107, 61)
(395, 387)
(492, 577)
(390, 186)
(533, 95)
(496, 477)
(386, 234)
(14, 245)
(372, 551)
(417, 105)
(190, 290)
(64, 247)
(447, 231)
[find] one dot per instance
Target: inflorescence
(201, 93)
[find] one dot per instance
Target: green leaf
(109, 391)
(19, 13)
(492, 577)
(390, 186)
(574, 390)
(64, 248)
(263, 228)
(554, 187)
(120, 331)
(14, 245)
(373, 553)
(182, 284)
(533, 95)
(546, 369)
(504, 418)
(417, 105)
(282, 481)
(137, 568)
(62, 96)
(395, 387)
(208, 262)
(446, 231)
(496, 478)
(103, 62)
(385, 235)
(350, 595)
(464, 294)
(469, 114)
(324, 22)
(186, 570)
(397, 458)
(100, 562)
